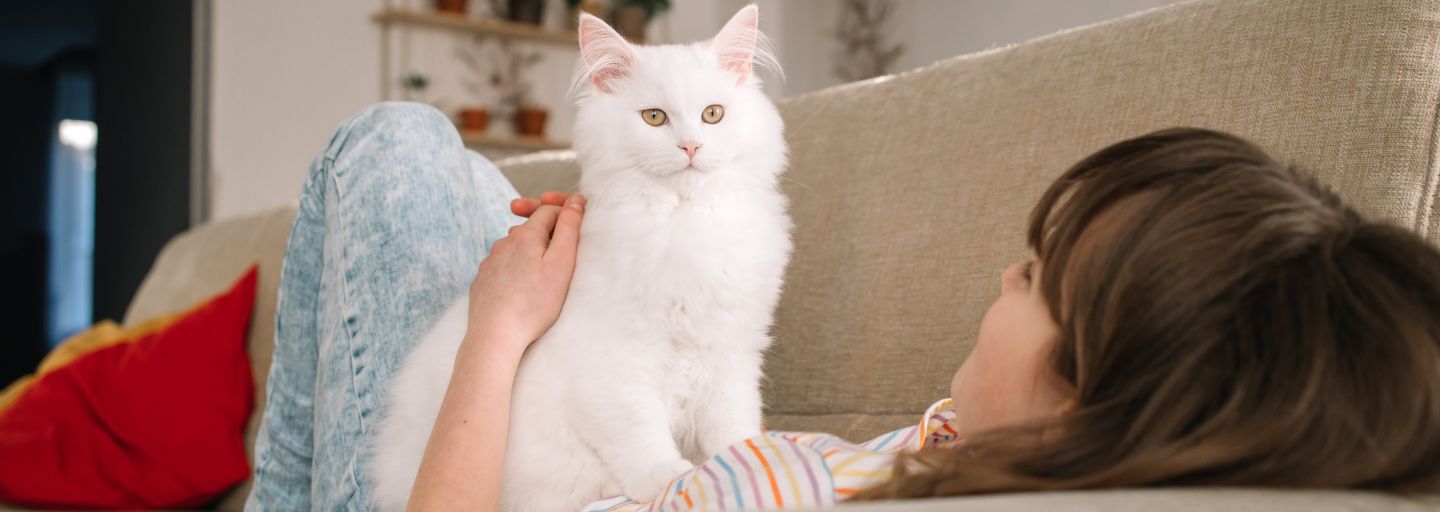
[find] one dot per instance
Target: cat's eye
(713, 114)
(653, 116)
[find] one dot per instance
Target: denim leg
(283, 447)
(405, 215)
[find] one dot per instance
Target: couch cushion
(201, 262)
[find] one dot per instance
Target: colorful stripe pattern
(791, 470)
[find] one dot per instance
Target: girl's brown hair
(1239, 325)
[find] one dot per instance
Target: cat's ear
(736, 44)
(606, 56)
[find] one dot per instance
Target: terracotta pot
(451, 6)
(530, 121)
(629, 21)
(474, 119)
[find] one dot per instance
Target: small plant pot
(629, 21)
(526, 11)
(456, 7)
(474, 119)
(530, 121)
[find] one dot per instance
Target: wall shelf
(520, 142)
(402, 21)
(484, 26)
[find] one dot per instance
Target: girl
(1195, 314)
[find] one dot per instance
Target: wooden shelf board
(478, 138)
(489, 26)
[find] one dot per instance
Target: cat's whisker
(815, 113)
(797, 182)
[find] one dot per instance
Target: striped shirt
(791, 470)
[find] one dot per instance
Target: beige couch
(909, 193)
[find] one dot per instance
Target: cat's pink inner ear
(608, 58)
(734, 46)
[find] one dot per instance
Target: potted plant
(864, 53)
(629, 17)
(508, 79)
(414, 84)
(526, 11)
(530, 120)
(456, 7)
(498, 71)
(475, 117)
(594, 7)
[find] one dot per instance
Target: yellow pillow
(101, 335)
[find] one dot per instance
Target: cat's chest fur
(694, 269)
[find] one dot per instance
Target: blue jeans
(394, 219)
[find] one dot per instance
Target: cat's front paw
(646, 485)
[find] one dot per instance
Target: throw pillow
(157, 422)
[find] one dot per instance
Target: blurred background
(124, 123)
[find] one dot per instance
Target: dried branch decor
(498, 70)
(863, 50)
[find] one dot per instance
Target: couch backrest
(910, 192)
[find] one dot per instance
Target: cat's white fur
(655, 361)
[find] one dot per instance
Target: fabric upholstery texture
(1346, 89)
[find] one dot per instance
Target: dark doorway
(47, 63)
(143, 160)
(96, 107)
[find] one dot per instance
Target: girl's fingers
(543, 222)
(565, 240)
(523, 206)
(526, 206)
(554, 198)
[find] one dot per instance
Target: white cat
(655, 361)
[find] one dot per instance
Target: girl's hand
(525, 206)
(520, 287)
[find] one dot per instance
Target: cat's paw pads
(646, 486)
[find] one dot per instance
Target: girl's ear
(735, 45)
(605, 54)
(1052, 433)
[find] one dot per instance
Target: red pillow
(158, 423)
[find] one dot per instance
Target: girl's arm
(516, 297)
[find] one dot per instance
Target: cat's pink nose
(689, 148)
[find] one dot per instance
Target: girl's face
(1008, 378)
